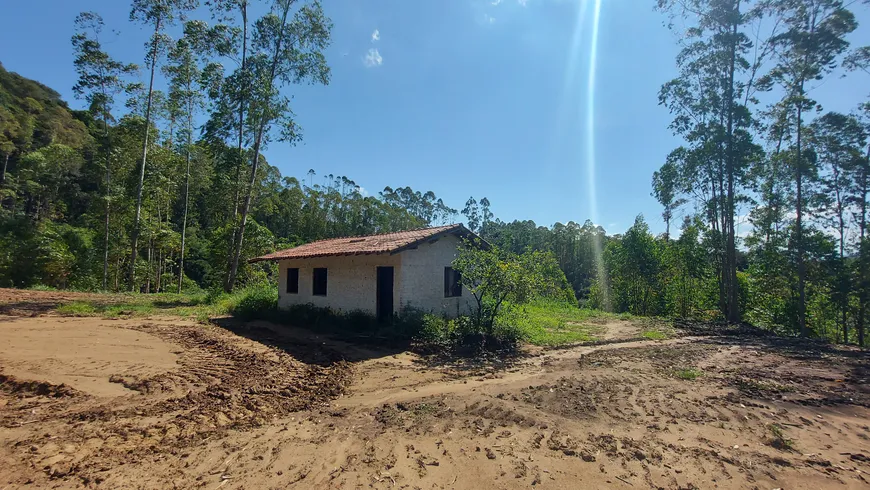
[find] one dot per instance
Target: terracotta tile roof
(363, 245)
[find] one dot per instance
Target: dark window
(293, 281)
(319, 287)
(452, 284)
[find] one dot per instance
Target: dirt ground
(160, 403)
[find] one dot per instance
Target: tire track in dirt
(223, 383)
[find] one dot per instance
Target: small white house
(378, 274)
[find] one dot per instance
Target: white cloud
(373, 58)
(362, 191)
(488, 19)
(523, 2)
(376, 36)
(496, 2)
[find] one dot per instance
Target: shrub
(435, 331)
(463, 336)
(256, 302)
(214, 295)
(356, 322)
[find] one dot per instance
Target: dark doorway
(385, 294)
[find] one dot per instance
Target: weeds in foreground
(752, 386)
(551, 323)
(77, 308)
(540, 323)
(778, 439)
(654, 335)
(689, 374)
(247, 303)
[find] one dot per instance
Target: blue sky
(461, 97)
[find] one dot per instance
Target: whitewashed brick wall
(422, 283)
(352, 280)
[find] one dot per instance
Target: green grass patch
(198, 306)
(689, 374)
(77, 308)
(551, 323)
(655, 335)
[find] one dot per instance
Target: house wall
(351, 282)
(422, 278)
(418, 280)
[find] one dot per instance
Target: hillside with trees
(154, 191)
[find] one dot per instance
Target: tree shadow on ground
(474, 361)
(805, 371)
(27, 308)
(167, 304)
(309, 346)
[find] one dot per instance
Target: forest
(152, 191)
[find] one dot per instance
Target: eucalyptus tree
(477, 215)
(158, 15)
(859, 60)
(837, 141)
(860, 192)
(101, 79)
(10, 129)
(710, 99)
(666, 187)
(190, 76)
(429, 208)
(285, 50)
(232, 100)
(813, 37)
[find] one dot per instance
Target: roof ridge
(424, 228)
(360, 244)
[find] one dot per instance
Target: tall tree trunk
(842, 274)
(237, 252)
(799, 234)
(863, 252)
(731, 250)
(108, 202)
(667, 218)
(118, 272)
(136, 221)
(242, 102)
(237, 181)
(724, 276)
(3, 173)
(186, 196)
(158, 277)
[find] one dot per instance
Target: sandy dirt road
(158, 403)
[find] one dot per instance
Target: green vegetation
(655, 328)
(755, 387)
(654, 335)
(249, 303)
(137, 195)
(77, 308)
(778, 438)
(553, 323)
(496, 278)
(689, 374)
(540, 322)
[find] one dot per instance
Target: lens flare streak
(590, 147)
